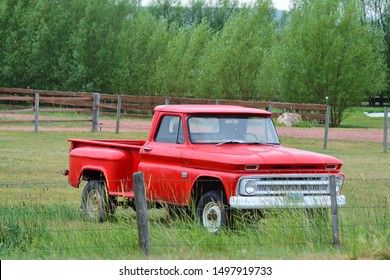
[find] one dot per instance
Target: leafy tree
(217, 12)
(170, 10)
(175, 73)
(231, 62)
(64, 44)
(14, 43)
(378, 13)
(94, 43)
(140, 45)
(326, 50)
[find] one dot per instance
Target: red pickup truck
(212, 157)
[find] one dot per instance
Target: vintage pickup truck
(213, 157)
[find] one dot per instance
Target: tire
(96, 205)
(213, 211)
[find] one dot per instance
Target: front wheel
(213, 211)
(96, 205)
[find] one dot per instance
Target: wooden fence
(95, 104)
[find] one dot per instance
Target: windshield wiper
(230, 142)
(261, 143)
(243, 142)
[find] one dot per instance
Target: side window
(170, 130)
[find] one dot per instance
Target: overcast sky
(281, 4)
(278, 4)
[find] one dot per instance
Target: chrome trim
(281, 184)
(271, 202)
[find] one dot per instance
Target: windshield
(232, 129)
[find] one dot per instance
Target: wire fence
(44, 220)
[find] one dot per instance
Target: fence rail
(142, 106)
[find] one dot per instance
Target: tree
(61, 45)
(231, 61)
(216, 12)
(175, 73)
(378, 13)
(15, 42)
(94, 43)
(326, 51)
(140, 45)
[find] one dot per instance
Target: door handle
(147, 149)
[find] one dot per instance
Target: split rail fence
(96, 104)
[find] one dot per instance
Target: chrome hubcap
(93, 203)
(212, 217)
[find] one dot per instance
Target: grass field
(40, 216)
(357, 119)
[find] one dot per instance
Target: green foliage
(327, 51)
(378, 13)
(17, 231)
(216, 49)
(229, 66)
(140, 45)
(175, 69)
(217, 12)
(68, 45)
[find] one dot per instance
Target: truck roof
(212, 109)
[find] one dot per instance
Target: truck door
(162, 164)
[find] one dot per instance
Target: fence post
(327, 120)
(386, 124)
(334, 211)
(142, 213)
(270, 108)
(95, 112)
(118, 113)
(36, 109)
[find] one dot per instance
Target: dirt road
(370, 135)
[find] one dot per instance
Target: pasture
(40, 213)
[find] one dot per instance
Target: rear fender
(114, 165)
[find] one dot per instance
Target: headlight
(339, 180)
(250, 187)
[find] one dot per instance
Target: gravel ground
(370, 135)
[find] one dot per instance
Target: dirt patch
(369, 135)
(352, 134)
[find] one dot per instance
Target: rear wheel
(212, 209)
(96, 204)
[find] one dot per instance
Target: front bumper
(270, 202)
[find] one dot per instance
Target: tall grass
(40, 214)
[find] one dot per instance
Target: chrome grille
(309, 184)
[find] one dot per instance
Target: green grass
(357, 119)
(40, 213)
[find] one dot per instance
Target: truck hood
(245, 157)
